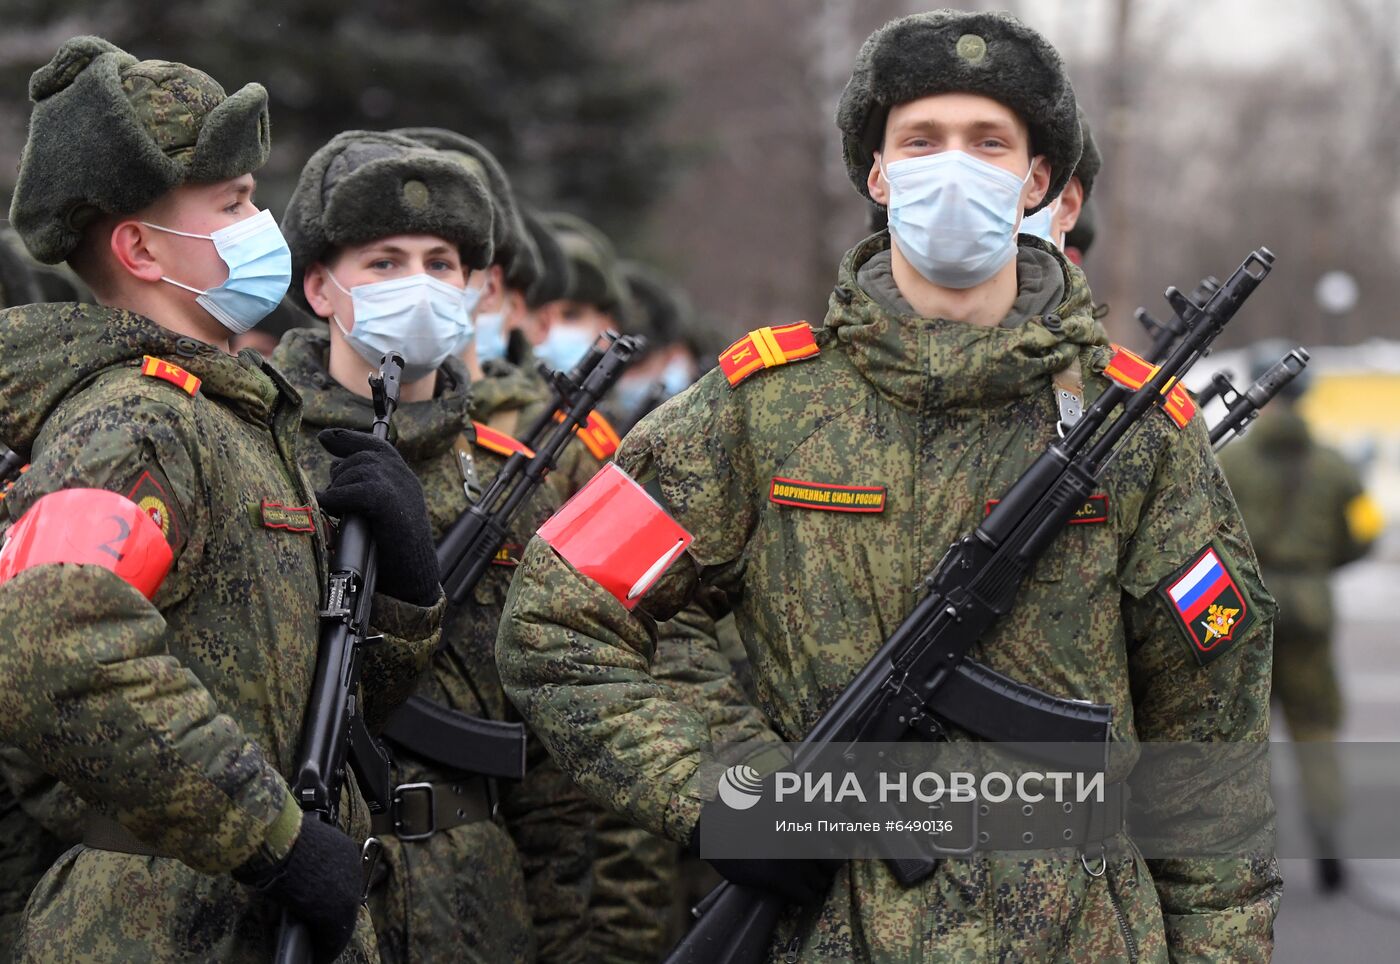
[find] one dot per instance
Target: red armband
(89, 527)
(616, 534)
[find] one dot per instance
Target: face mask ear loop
(183, 234)
(331, 275)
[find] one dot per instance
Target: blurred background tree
(700, 133)
(538, 81)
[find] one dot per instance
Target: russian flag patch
(1209, 606)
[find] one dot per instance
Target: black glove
(319, 882)
(371, 479)
(801, 880)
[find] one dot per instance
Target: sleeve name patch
(822, 495)
(1208, 604)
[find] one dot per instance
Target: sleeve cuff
(406, 621)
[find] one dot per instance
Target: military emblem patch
(152, 494)
(1094, 510)
(292, 518)
(822, 495)
(1207, 603)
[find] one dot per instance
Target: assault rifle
(1167, 333)
(334, 713)
(1241, 408)
(921, 680)
(563, 387)
(466, 550)
(448, 737)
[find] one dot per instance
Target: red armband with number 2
(616, 534)
(89, 527)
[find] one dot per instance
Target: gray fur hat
(1090, 161)
(556, 277)
(592, 264)
(110, 135)
(515, 250)
(365, 185)
(950, 51)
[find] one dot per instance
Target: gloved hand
(319, 883)
(372, 480)
(801, 880)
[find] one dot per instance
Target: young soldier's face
(574, 314)
(384, 259)
(196, 209)
(976, 125)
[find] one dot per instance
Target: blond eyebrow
(936, 127)
(395, 249)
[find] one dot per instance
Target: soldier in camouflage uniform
(1307, 515)
(1056, 222)
(477, 885)
(172, 702)
(27, 846)
(935, 397)
(634, 871)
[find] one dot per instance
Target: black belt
(104, 833)
(419, 810)
(1019, 825)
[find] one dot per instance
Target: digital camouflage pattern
(513, 889)
(1307, 514)
(176, 717)
(632, 870)
(27, 849)
(635, 874)
(945, 416)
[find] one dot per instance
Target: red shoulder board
(767, 348)
(1133, 371)
(158, 368)
(600, 437)
(89, 527)
(499, 442)
(616, 534)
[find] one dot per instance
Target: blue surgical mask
(490, 335)
(564, 346)
(259, 271)
(1042, 223)
(954, 216)
(676, 376)
(631, 393)
(423, 319)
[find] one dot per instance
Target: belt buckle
(975, 809)
(403, 790)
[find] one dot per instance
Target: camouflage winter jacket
(547, 823)
(177, 717)
(940, 417)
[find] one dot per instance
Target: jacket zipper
(1129, 940)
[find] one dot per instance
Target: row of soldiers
(471, 287)
(154, 715)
